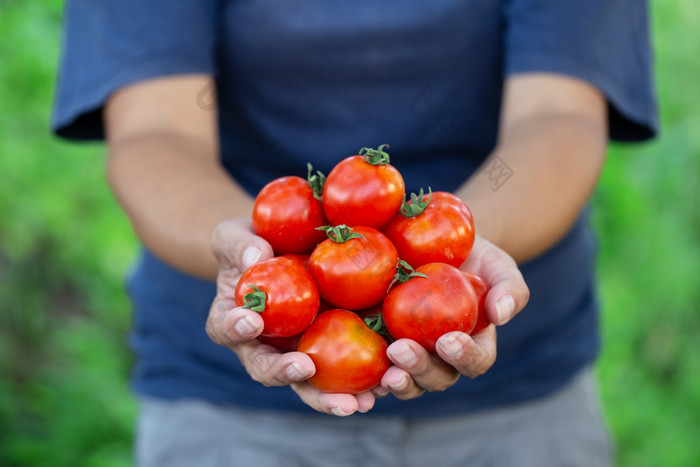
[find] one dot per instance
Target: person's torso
(315, 81)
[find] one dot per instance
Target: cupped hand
(417, 371)
(236, 248)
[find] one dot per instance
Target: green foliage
(65, 247)
(648, 216)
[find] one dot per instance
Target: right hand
(417, 371)
(236, 248)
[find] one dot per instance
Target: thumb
(236, 246)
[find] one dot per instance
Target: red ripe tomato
(438, 229)
(349, 357)
(425, 308)
(481, 288)
(286, 214)
(363, 190)
(286, 296)
(353, 268)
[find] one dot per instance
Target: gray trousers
(564, 429)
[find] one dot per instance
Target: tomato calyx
(417, 205)
(255, 300)
(316, 181)
(404, 272)
(376, 323)
(375, 156)
(340, 233)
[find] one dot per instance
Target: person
(507, 104)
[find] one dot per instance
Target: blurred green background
(65, 248)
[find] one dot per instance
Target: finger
(365, 401)
(508, 292)
(428, 372)
(229, 325)
(268, 366)
(400, 384)
(471, 356)
(340, 405)
(507, 296)
(236, 246)
(380, 392)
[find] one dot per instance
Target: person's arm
(552, 142)
(553, 138)
(163, 165)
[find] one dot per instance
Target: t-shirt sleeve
(108, 44)
(604, 42)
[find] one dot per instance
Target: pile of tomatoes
(358, 265)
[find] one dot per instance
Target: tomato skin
(355, 274)
(443, 233)
(286, 214)
(358, 193)
(481, 288)
(292, 296)
(423, 309)
(349, 357)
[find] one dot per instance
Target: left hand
(417, 371)
(236, 248)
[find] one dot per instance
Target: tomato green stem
(376, 324)
(375, 156)
(404, 272)
(316, 181)
(340, 233)
(255, 300)
(417, 205)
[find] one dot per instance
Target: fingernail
(505, 307)
(246, 326)
(250, 256)
(339, 412)
(401, 385)
(380, 392)
(451, 346)
(405, 356)
(296, 372)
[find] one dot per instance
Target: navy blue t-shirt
(315, 80)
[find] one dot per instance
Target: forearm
(554, 161)
(175, 197)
